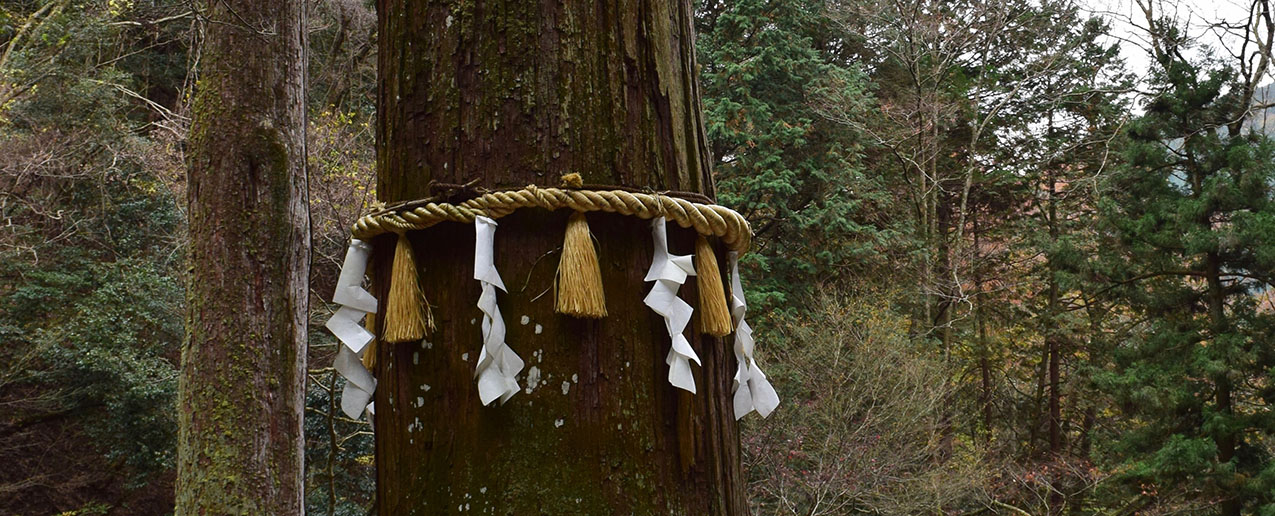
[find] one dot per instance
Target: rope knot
(660, 201)
(544, 198)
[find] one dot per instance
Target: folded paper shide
(408, 317)
(669, 272)
(355, 303)
(498, 366)
(752, 389)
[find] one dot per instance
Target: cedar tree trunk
(240, 446)
(503, 94)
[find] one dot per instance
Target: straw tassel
(714, 316)
(407, 314)
(579, 277)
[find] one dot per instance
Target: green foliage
(1194, 205)
(94, 325)
(793, 173)
(111, 356)
(90, 278)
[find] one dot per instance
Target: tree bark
(240, 446)
(502, 94)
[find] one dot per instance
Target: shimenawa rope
(706, 219)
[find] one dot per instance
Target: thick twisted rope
(707, 219)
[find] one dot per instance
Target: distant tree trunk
(1052, 343)
(504, 94)
(984, 344)
(1218, 325)
(240, 446)
(1053, 347)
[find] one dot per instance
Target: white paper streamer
(349, 286)
(752, 390)
(345, 324)
(498, 365)
(669, 272)
(359, 383)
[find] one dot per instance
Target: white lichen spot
(524, 320)
(464, 356)
(533, 379)
(449, 20)
(566, 387)
(626, 364)
(473, 321)
(575, 378)
(416, 358)
(619, 426)
(420, 401)
(425, 387)
(427, 344)
(558, 423)
(539, 329)
(483, 490)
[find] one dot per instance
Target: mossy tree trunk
(240, 445)
(503, 94)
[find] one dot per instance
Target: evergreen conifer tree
(1192, 206)
(797, 175)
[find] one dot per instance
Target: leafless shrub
(863, 428)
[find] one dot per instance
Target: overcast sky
(1128, 22)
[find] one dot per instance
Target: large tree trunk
(240, 446)
(505, 94)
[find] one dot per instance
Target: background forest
(1001, 270)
